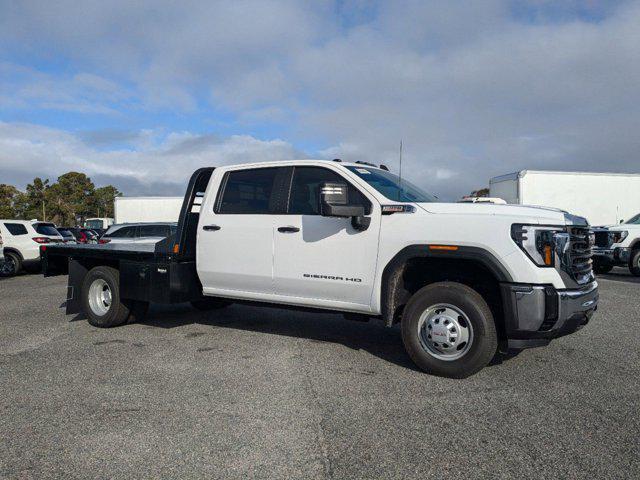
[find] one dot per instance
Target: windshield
(389, 185)
(634, 220)
(93, 224)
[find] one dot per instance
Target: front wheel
(448, 330)
(634, 263)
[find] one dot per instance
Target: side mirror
(334, 201)
(621, 221)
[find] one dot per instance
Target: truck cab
(463, 280)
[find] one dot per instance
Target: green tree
(483, 192)
(70, 199)
(8, 195)
(103, 201)
(37, 196)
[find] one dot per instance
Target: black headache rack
(164, 272)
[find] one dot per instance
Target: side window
(248, 192)
(154, 230)
(305, 188)
(16, 228)
(124, 232)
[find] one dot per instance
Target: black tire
(601, 268)
(210, 303)
(11, 265)
(634, 263)
(116, 312)
(484, 341)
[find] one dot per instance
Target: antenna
(400, 171)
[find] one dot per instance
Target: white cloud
(472, 89)
(168, 160)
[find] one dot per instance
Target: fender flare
(392, 273)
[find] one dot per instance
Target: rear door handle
(288, 229)
(211, 228)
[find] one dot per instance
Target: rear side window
(16, 228)
(305, 190)
(45, 229)
(248, 192)
(154, 230)
(124, 232)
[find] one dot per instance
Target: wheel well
(410, 276)
(13, 250)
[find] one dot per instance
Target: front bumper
(536, 314)
(611, 256)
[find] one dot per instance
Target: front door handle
(211, 228)
(288, 229)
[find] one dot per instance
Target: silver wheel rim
(100, 297)
(445, 332)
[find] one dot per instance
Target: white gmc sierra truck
(463, 280)
(618, 245)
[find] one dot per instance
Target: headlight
(537, 242)
(618, 236)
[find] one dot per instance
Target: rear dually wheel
(101, 298)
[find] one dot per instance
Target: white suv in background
(22, 240)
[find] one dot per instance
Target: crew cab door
(323, 261)
(235, 234)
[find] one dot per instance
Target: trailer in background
(602, 198)
(147, 209)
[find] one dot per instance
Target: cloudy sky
(139, 94)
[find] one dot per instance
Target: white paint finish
(249, 259)
(326, 246)
(239, 256)
(601, 198)
(147, 209)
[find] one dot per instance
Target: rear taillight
(104, 240)
(41, 239)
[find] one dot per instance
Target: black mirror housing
(334, 201)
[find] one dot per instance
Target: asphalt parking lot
(262, 393)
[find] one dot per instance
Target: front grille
(602, 239)
(577, 259)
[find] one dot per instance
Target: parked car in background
(22, 240)
(83, 235)
(138, 232)
(67, 235)
(618, 245)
